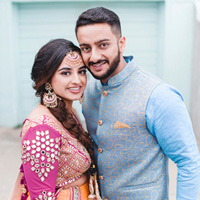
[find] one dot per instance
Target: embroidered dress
(51, 158)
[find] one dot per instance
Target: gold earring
(50, 98)
(82, 98)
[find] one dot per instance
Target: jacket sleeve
(168, 120)
(40, 152)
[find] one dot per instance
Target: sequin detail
(75, 193)
(41, 153)
(69, 181)
(74, 159)
(46, 196)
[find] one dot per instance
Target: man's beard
(112, 67)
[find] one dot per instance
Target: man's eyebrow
(103, 40)
(83, 44)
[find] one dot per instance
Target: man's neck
(120, 67)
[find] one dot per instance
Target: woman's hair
(46, 63)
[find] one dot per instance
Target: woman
(55, 148)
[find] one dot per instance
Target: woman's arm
(40, 152)
(16, 191)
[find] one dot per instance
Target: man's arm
(168, 120)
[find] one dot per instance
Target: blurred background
(162, 35)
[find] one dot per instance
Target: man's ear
(122, 44)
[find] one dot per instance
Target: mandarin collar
(119, 78)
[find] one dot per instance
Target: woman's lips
(75, 90)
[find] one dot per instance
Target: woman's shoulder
(40, 123)
(38, 111)
(40, 119)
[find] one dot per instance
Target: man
(135, 120)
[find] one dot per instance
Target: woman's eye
(65, 73)
(82, 71)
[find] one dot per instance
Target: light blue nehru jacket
(131, 162)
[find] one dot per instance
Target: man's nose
(95, 56)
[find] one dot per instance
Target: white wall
(8, 87)
(178, 47)
(195, 100)
(175, 60)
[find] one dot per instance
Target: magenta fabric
(51, 157)
(35, 183)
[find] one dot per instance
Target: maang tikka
(50, 98)
(73, 59)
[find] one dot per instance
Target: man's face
(100, 49)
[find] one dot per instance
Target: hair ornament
(73, 58)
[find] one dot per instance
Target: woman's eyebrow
(64, 68)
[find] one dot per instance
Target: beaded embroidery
(74, 159)
(75, 193)
(46, 196)
(41, 152)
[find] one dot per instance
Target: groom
(136, 120)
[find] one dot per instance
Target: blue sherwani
(131, 162)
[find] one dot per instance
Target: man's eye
(104, 45)
(85, 49)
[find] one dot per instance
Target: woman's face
(69, 81)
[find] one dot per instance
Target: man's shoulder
(139, 73)
(92, 86)
(91, 94)
(148, 75)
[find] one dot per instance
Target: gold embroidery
(74, 160)
(121, 125)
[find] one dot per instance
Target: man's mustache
(99, 61)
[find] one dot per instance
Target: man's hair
(99, 15)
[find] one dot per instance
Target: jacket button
(100, 122)
(105, 93)
(101, 177)
(100, 150)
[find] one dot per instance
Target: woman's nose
(75, 78)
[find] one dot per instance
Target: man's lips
(98, 65)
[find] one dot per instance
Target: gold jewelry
(94, 188)
(73, 59)
(82, 99)
(50, 98)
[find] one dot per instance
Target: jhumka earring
(50, 98)
(82, 99)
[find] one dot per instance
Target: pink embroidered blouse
(51, 157)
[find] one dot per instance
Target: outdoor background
(162, 35)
